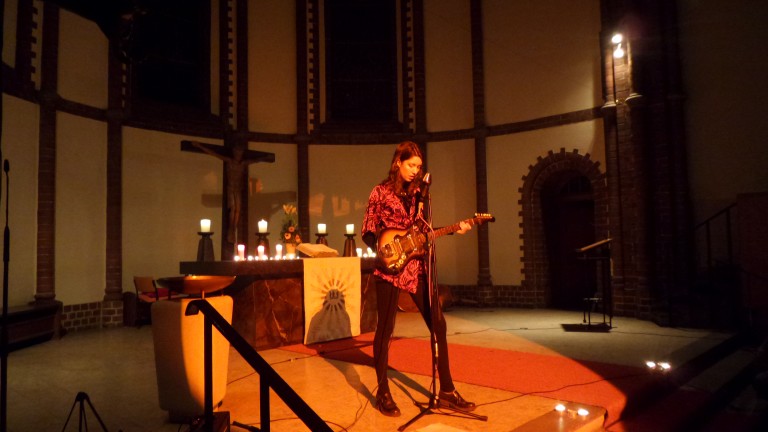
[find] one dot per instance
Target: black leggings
(386, 301)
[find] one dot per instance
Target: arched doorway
(568, 215)
(553, 173)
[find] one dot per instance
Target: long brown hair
(405, 150)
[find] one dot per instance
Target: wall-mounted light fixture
(618, 51)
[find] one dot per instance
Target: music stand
(433, 406)
(600, 252)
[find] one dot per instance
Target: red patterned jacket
(387, 211)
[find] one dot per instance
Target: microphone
(425, 181)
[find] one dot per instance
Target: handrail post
(708, 232)
(268, 377)
(729, 235)
(264, 404)
(208, 366)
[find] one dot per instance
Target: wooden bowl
(196, 285)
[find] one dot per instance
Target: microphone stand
(4, 332)
(433, 406)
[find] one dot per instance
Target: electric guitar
(396, 247)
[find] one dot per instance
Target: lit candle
(205, 225)
(321, 228)
(370, 253)
(279, 251)
(262, 226)
(241, 251)
(359, 252)
(350, 228)
(261, 251)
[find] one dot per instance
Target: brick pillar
(46, 174)
(485, 290)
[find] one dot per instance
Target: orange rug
(593, 383)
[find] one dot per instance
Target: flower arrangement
(290, 230)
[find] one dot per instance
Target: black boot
(387, 405)
(454, 400)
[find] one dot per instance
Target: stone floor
(115, 368)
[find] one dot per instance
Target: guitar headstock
(484, 217)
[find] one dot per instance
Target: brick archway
(535, 259)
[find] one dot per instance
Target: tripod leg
(424, 411)
(69, 416)
(82, 418)
(93, 410)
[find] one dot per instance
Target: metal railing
(707, 226)
(268, 378)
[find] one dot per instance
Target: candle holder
(349, 245)
(321, 239)
(262, 240)
(205, 247)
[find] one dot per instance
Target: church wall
(272, 85)
(83, 53)
(452, 165)
(725, 90)
(9, 33)
(20, 137)
(448, 65)
(165, 194)
(271, 186)
(509, 159)
(342, 177)
(540, 61)
(81, 194)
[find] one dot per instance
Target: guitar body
(396, 247)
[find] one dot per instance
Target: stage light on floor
(658, 366)
(559, 407)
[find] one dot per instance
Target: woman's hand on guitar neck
(464, 227)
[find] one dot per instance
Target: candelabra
(349, 245)
(262, 240)
(205, 247)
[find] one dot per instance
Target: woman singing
(393, 204)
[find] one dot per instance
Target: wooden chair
(147, 293)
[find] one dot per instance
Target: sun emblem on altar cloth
(327, 305)
(335, 293)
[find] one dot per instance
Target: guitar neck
(453, 228)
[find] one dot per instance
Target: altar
(270, 298)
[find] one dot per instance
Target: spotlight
(618, 51)
(658, 366)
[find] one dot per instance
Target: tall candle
(205, 225)
(359, 252)
(241, 251)
(262, 226)
(279, 251)
(261, 251)
(321, 228)
(350, 228)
